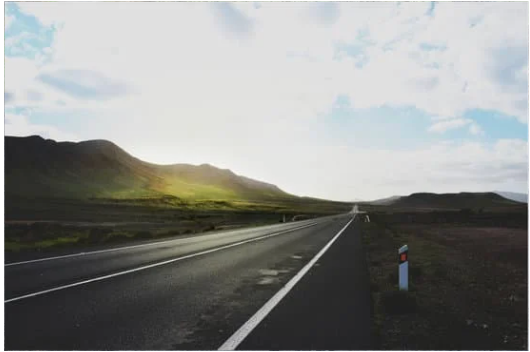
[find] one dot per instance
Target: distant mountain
(518, 197)
(463, 200)
(99, 168)
(384, 201)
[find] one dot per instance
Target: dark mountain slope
(98, 168)
(463, 200)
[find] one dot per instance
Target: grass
(35, 237)
(467, 282)
(41, 224)
(21, 236)
(49, 236)
(161, 208)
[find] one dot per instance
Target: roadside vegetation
(468, 284)
(45, 224)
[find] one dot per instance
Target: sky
(342, 101)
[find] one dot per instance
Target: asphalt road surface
(194, 293)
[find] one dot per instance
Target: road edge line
(245, 330)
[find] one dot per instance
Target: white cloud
(442, 124)
(449, 124)
(19, 125)
(45, 14)
(188, 50)
(8, 20)
(21, 77)
(475, 129)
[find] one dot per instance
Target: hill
(384, 201)
(463, 200)
(35, 167)
(518, 197)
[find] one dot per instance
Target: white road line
(100, 278)
(234, 340)
(114, 249)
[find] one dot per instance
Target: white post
(367, 218)
(403, 257)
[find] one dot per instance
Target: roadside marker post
(403, 259)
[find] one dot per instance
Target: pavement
(194, 293)
(328, 309)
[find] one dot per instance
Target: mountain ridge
(461, 200)
(35, 166)
(518, 197)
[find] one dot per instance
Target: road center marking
(245, 330)
(100, 278)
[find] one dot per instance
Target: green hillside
(35, 167)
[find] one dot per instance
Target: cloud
(475, 129)
(34, 95)
(8, 97)
(232, 19)
(84, 84)
(443, 124)
(24, 34)
(509, 68)
(281, 45)
(8, 20)
(19, 125)
(449, 124)
(326, 13)
(427, 83)
(46, 15)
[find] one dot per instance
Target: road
(194, 293)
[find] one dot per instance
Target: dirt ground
(468, 285)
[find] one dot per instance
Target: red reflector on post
(404, 268)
